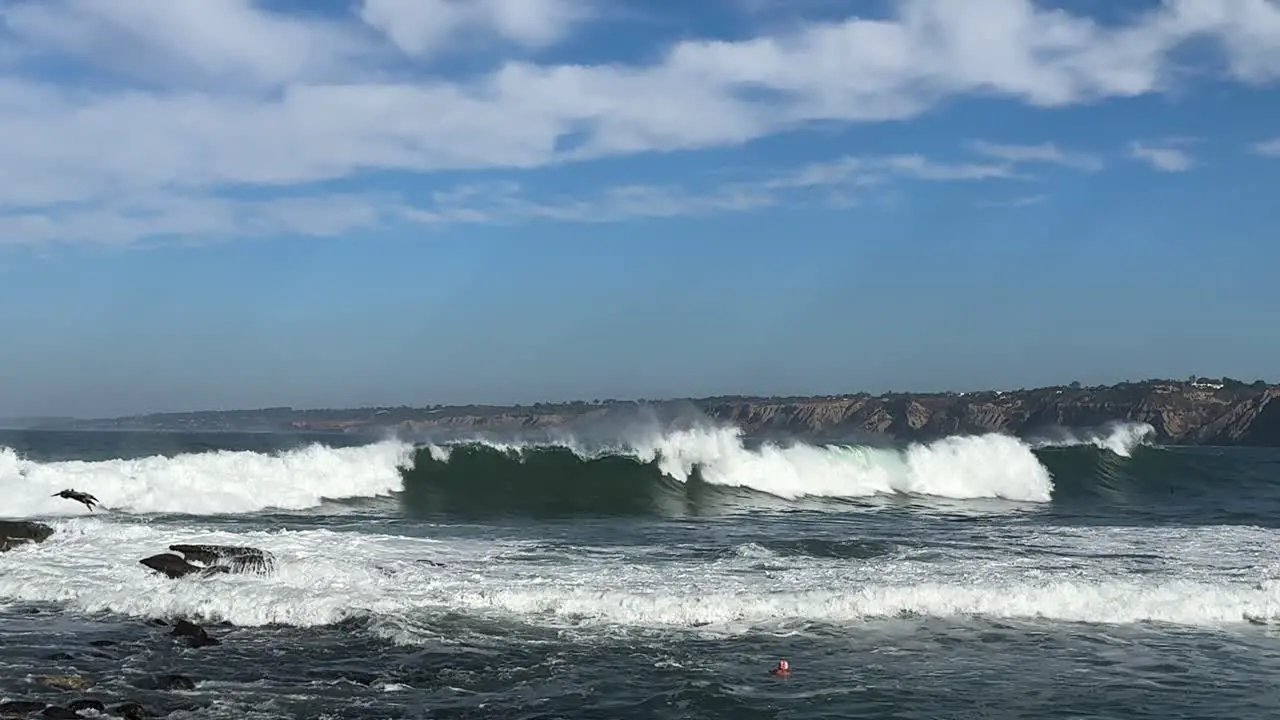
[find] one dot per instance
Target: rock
(175, 682)
(20, 532)
(87, 704)
(132, 711)
(20, 707)
(60, 713)
(171, 565)
(212, 559)
(195, 635)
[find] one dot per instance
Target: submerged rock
(20, 532)
(167, 682)
(209, 560)
(64, 682)
(20, 707)
(132, 711)
(195, 635)
(87, 704)
(55, 712)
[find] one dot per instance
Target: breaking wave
(682, 471)
(215, 482)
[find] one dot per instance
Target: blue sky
(262, 202)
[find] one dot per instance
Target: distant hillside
(1199, 411)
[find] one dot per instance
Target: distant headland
(1195, 411)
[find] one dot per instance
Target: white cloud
(1162, 157)
(425, 27)
(230, 41)
(1268, 148)
(204, 96)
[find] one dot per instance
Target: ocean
(658, 574)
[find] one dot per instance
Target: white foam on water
(207, 483)
(1197, 576)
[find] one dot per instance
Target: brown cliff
(1179, 413)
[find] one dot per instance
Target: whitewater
(654, 574)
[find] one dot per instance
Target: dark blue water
(546, 585)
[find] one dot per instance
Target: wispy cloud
(838, 183)
(195, 99)
(1041, 153)
(194, 218)
(1267, 148)
(1164, 156)
(1025, 201)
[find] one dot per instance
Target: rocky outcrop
(20, 532)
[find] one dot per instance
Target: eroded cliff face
(1179, 413)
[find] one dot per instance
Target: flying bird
(82, 497)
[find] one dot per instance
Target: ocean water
(660, 574)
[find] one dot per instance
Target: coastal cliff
(1208, 414)
(1192, 412)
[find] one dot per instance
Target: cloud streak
(1162, 156)
(195, 99)
(1268, 148)
(1042, 153)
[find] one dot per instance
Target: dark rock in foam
(237, 559)
(211, 559)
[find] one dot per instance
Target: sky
(245, 203)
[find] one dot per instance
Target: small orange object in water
(782, 669)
